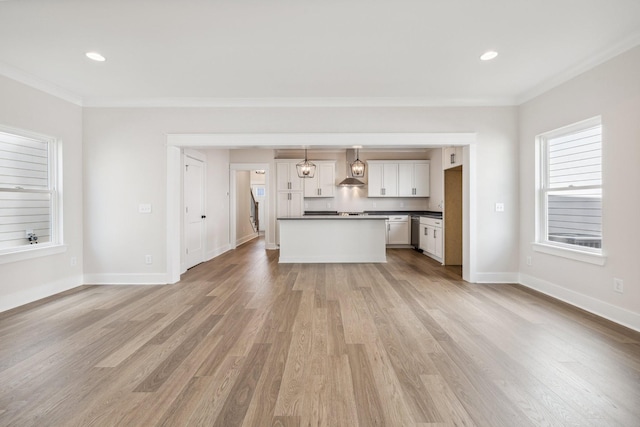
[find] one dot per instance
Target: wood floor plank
(166, 368)
(268, 386)
(201, 401)
(396, 409)
(298, 363)
(367, 398)
(231, 328)
(244, 340)
(236, 405)
(446, 401)
(342, 400)
(337, 344)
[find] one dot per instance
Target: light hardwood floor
(242, 340)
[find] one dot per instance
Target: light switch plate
(618, 285)
(144, 208)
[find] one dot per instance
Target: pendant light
(357, 167)
(306, 169)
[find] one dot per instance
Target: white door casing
(177, 142)
(194, 211)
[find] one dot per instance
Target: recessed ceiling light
(489, 55)
(95, 56)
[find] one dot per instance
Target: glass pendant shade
(306, 169)
(357, 167)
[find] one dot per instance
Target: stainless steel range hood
(350, 181)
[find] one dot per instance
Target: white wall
(217, 199)
(29, 109)
(125, 163)
(611, 90)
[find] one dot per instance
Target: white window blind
(572, 186)
(27, 193)
(575, 159)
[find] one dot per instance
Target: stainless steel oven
(415, 232)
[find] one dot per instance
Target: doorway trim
(233, 168)
(176, 142)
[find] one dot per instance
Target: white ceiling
(295, 52)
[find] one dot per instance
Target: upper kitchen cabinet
(398, 178)
(287, 176)
(323, 182)
(383, 178)
(451, 157)
(413, 179)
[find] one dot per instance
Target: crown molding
(579, 68)
(40, 84)
(295, 102)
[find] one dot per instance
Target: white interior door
(194, 214)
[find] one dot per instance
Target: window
(29, 192)
(570, 191)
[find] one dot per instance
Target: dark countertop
(314, 213)
(367, 217)
(430, 214)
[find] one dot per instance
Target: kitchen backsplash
(354, 199)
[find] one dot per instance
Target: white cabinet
(289, 204)
(451, 157)
(413, 179)
(287, 176)
(398, 230)
(323, 182)
(398, 178)
(289, 198)
(431, 237)
(382, 178)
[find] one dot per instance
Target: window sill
(577, 255)
(30, 253)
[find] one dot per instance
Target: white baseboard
(323, 259)
(270, 246)
(17, 299)
(126, 279)
(611, 312)
(246, 238)
(503, 277)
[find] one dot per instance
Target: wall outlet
(374, 204)
(499, 207)
(144, 208)
(618, 285)
(306, 205)
(402, 204)
(529, 261)
(148, 259)
(329, 205)
(73, 261)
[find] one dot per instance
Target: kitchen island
(333, 239)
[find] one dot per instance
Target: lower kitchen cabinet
(431, 241)
(398, 230)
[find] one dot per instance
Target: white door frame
(233, 168)
(329, 140)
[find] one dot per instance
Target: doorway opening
(452, 216)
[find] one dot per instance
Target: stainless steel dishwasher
(415, 232)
